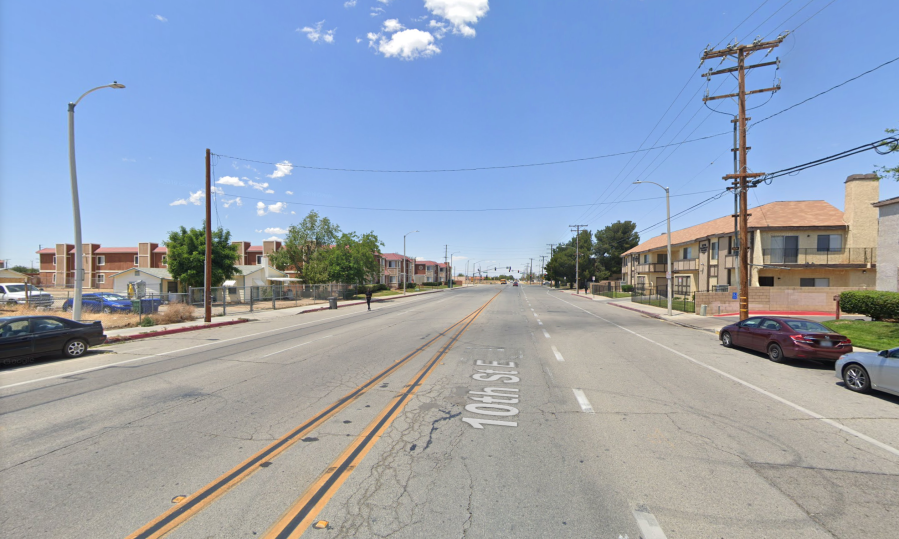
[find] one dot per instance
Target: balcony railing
(689, 264)
(861, 256)
(652, 268)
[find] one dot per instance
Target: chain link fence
(230, 300)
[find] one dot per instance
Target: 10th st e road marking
(494, 401)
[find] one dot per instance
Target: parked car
(14, 294)
(23, 337)
(106, 302)
(864, 371)
(786, 338)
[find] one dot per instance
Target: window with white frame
(391, 264)
(136, 260)
(258, 260)
(688, 253)
(101, 260)
(392, 279)
(101, 278)
(54, 260)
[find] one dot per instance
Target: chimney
(862, 190)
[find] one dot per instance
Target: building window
(688, 253)
(165, 260)
(53, 280)
(393, 279)
(101, 260)
(714, 250)
(662, 258)
(136, 260)
(54, 260)
(391, 264)
(784, 249)
(258, 260)
(681, 285)
(101, 278)
(766, 281)
(830, 243)
(809, 281)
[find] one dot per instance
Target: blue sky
(411, 85)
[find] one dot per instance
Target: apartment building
(796, 243)
(888, 244)
(392, 268)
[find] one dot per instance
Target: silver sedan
(864, 371)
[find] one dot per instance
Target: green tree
(186, 256)
(22, 269)
(611, 242)
(889, 172)
(351, 261)
(302, 242)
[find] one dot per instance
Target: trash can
(332, 302)
(703, 309)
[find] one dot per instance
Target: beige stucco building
(794, 243)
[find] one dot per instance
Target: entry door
(662, 286)
(784, 249)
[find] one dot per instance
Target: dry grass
(174, 313)
(110, 321)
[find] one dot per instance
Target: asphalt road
(482, 412)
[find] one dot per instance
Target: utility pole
(740, 177)
(531, 272)
(207, 280)
(445, 267)
(577, 253)
(542, 268)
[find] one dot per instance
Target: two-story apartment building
(795, 243)
(392, 268)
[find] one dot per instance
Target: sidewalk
(126, 334)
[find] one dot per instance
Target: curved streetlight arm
(654, 183)
(114, 84)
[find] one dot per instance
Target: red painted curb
(779, 313)
(172, 331)
(635, 310)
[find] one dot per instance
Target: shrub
(627, 288)
(175, 313)
(877, 305)
(147, 322)
(431, 284)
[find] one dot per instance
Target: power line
(450, 209)
(892, 143)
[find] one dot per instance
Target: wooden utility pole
(207, 281)
(577, 252)
(740, 177)
(445, 266)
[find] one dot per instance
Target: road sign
(733, 296)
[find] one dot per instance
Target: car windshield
(112, 297)
(807, 325)
(21, 288)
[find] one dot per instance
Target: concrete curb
(387, 298)
(114, 340)
(658, 317)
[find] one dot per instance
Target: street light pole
(405, 262)
(76, 206)
(449, 269)
(668, 219)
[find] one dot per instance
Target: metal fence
(228, 300)
(647, 294)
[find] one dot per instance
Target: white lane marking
(535, 314)
(91, 369)
(831, 422)
(558, 355)
(545, 334)
(649, 526)
(297, 346)
(532, 308)
(539, 323)
(582, 400)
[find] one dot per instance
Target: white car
(864, 371)
(14, 294)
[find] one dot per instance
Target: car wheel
(727, 340)
(75, 348)
(776, 353)
(65, 308)
(856, 378)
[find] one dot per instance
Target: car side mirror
(883, 353)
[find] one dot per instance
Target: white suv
(14, 294)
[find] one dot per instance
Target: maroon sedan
(786, 338)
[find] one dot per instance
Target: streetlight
(668, 210)
(76, 208)
(405, 262)
(449, 269)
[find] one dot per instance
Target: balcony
(851, 256)
(652, 268)
(730, 261)
(688, 264)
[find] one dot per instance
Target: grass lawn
(615, 294)
(872, 335)
(379, 294)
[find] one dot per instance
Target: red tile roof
(426, 262)
(393, 256)
(111, 250)
(255, 249)
(47, 251)
(792, 214)
(161, 249)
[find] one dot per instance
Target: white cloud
(284, 168)
(195, 198)
(358, 40)
(179, 202)
(227, 202)
(218, 190)
(231, 180)
(393, 25)
(274, 230)
(160, 18)
(385, 2)
(439, 28)
(407, 44)
(273, 238)
(460, 13)
(129, 160)
(349, 3)
(293, 213)
(262, 209)
(375, 11)
(314, 34)
(256, 185)
(289, 192)
(269, 192)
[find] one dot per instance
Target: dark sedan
(23, 337)
(786, 338)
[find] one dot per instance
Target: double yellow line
(324, 487)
